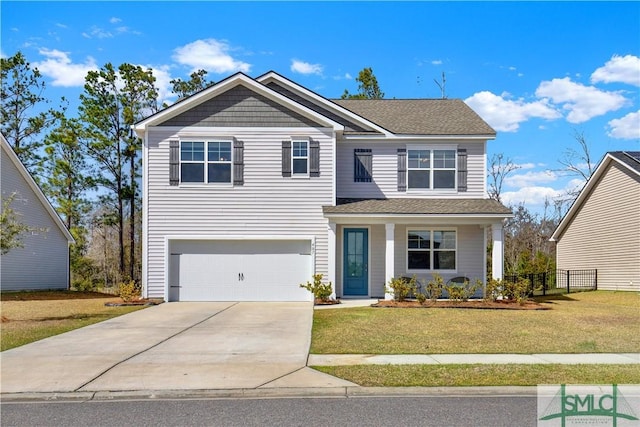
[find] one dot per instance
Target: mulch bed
(473, 304)
(326, 302)
(142, 302)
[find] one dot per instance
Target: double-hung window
(431, 169)
(431, 250)
(300, 158)
(210, 165)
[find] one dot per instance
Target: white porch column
(331, 261)
(497, 257)
(389, 256)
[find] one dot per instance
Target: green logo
(587, 405)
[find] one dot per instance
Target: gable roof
(629, 160)
(381, 117)
(421, 116)
(223, 86)
(8, 151)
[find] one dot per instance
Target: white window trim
(432, 168)
(430, 250)
(206, 162)
(306, 141)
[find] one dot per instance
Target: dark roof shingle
(405, 206)
(420, 116)
(629, 158)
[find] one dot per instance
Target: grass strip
(482, 375)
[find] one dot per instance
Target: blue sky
(536, 71)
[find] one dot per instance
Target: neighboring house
(601, 230)
(253, 185)
(43, 262)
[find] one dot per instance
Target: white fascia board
(36, 189)
(411, 217)
(332, 106)
(584, 193)
(421, 137)
(223, 86)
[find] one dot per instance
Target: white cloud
(530, 196)
(436, 62)
(628, 127)
(163, 78)
(525, 165)
(115, 20)
(302, 67)
(211, 55)
(97, 32)
(622, 69)
(530, 178)
(61, 70)
(582, 102)
(506, 114)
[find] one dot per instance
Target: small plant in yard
(434, 287)
(321, 291)
(504, 289)
(129, 291)
(462, 291)
(402, 287)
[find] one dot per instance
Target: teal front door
(356, 262)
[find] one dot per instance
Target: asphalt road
(438, 411)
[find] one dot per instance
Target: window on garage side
(219, 162)
(211, 166)
(431, 249)
(192, 161)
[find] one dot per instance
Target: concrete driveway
(175, 346)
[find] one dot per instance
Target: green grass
(32, 316)
(483, 375)
(588, 322)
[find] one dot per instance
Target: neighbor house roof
(408, 206)
(420, 116)
(629, 160)
(8, 151)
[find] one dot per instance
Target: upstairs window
(300, 158)
(429, 169)
(210, 166)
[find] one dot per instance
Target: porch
(372, 241)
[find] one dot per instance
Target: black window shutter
(314, 158)
(462, 169)
(238, 163)
(362, 165)
(402, 169)
(286, 158)
(174, 162)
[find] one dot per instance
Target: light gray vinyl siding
(268, 204)
(384, 183)
(240, 107)
(470, 253)
(43, 261)
(605, 232)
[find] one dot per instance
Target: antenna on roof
(442, 85)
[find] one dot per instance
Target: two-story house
(253, 185)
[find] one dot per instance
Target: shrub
(129, 291)
(402, 287)
(514, 291)
(462, 292)
(321, 291)
(434, 287)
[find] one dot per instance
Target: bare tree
(499, 170)
(442, 85)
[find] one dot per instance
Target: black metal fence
(558, 281)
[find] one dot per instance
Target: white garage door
(239, 270)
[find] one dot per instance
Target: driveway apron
(175, 346)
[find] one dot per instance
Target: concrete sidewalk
(464, 359)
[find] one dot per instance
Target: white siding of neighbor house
(268, 204)
(43, 262)
(470, 253)
(605, 232)
(385, 170)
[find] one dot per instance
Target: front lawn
(483, 375)
(588, 322)
(32, 316)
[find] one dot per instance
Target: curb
(266, 393)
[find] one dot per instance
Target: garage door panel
(265, 270)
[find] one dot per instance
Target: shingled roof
(405, 206)
(629, 158)
(420, 116)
